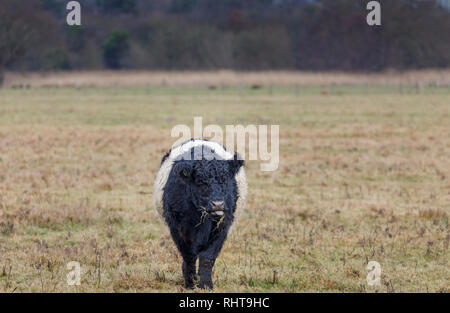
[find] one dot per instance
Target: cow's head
(211, 182)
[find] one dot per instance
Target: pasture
(364, 175)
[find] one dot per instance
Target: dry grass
(361, 178)
(215, 79)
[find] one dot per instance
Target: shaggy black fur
(190, 194)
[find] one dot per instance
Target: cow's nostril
(217, 205)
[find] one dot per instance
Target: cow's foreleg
(188, 268)
(207, 258)
(189, 258)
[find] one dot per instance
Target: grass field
(364, 175)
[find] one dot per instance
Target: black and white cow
(200, 190)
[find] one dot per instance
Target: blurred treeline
(224, 34)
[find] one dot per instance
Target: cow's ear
(235, 164)
(183, 171)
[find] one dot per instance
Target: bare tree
(21, 26)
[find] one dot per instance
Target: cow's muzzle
(217, 208)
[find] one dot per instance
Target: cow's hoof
(205, 285)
